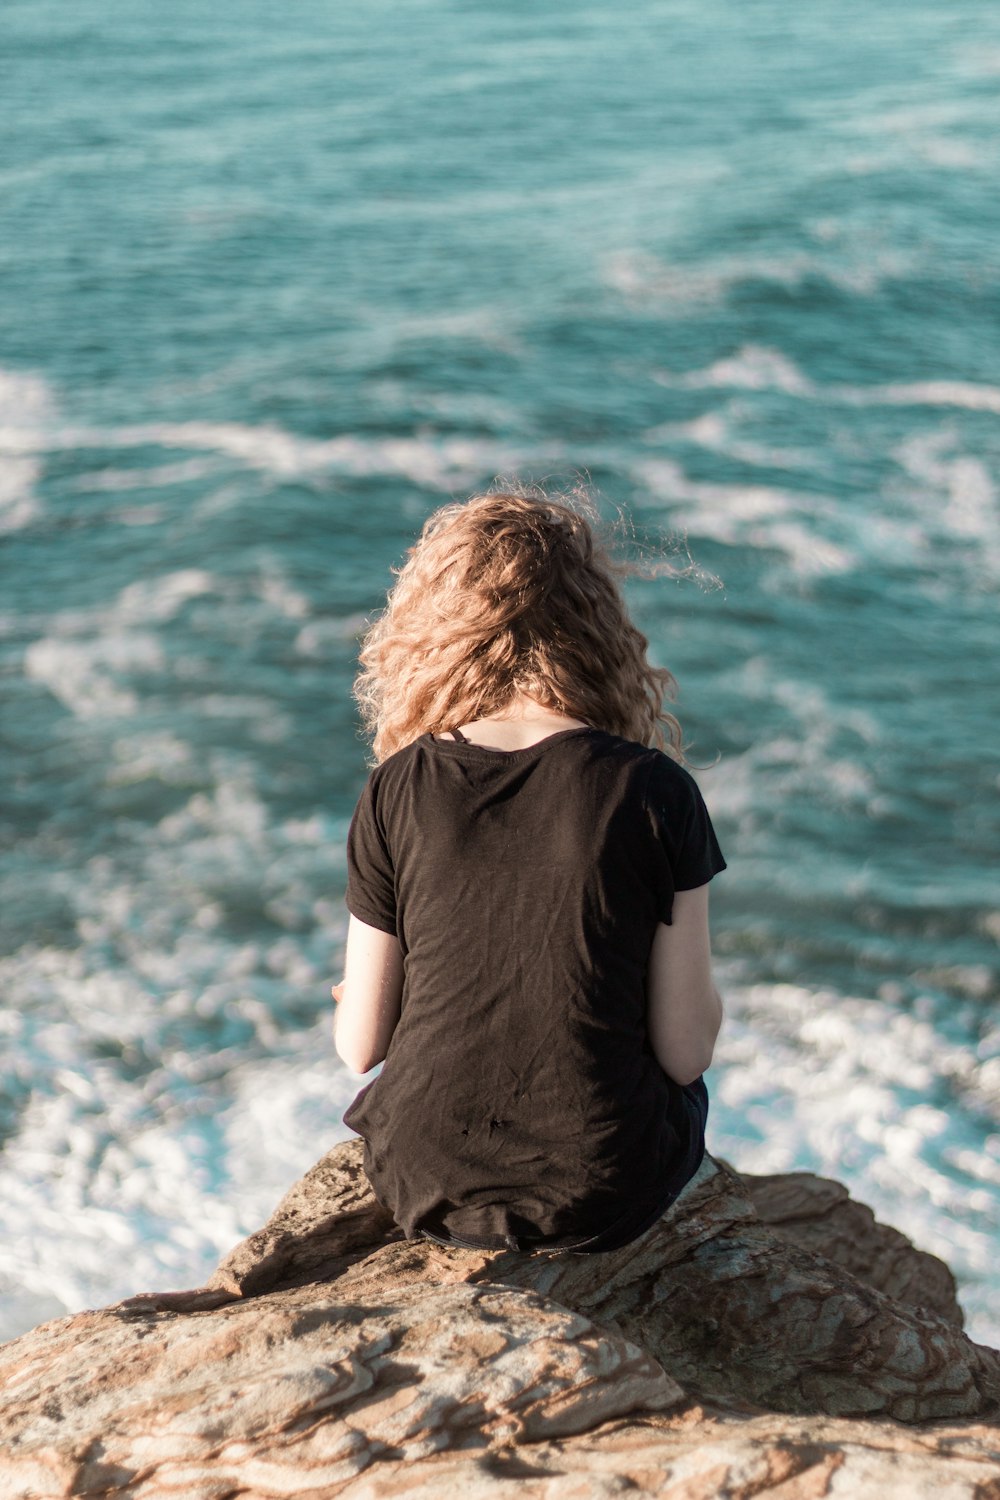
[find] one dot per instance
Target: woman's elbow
(354, 1052)
(686, 1063)
(687, 1074)
(356, 1060)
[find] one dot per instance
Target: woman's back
(521, 1100)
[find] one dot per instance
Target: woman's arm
(369, 997)
(685, 1010)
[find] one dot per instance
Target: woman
(528, 947)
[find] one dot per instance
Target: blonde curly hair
(510, 592)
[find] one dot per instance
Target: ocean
(274, 284)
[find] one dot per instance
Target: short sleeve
(371, 885)
(683, 829)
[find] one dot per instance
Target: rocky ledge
(767, 1337)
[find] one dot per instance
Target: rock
(298, 1391)
(737, 1315)
(329, 1213)
(701, 1455)
(722, 1353)
(818, 1214)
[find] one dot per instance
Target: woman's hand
(337, 991)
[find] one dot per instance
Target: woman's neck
(522, 723)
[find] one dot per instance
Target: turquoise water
(275, 285)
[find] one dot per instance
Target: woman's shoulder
(662, 778)
(649, 757)
(385, 776)
(400, 759)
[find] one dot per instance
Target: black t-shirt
(520, 1101)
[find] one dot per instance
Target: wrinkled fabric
(520, 1102)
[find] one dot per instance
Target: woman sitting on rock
(528, 948)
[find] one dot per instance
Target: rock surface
(766, 1337)
(819, 1215)
(305, 1386)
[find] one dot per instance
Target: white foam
(977, 59)
(151, 1194)
(714, 430)
(85, 675)
(139, 515)
(759, 368)
(92, 659)
(917, 115)
(679, 290)
(803, 763)
(954, 132)
(171, 1105)
(758, 516)
(971, 508)
(435, 463)
(160, 598)
(954, 495)
(283, 597)
(19, 505)
(25, 399)
(953, 153)
(955, 500)
(323, 638)
(641, 276)
(962, 394)
(753, 367)
(160, 756)
(481, 325)
(153, 477)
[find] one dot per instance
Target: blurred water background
(274, 283)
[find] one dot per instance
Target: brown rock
(299, 1391)
(819, 1214)
(720, 1354)
(705, 1455)
(737, 1308)
(736, 1315)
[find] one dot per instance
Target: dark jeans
(689, 1114)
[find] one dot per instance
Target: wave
(682, 289)
(154, 476)
(432, 463)
(962, 394)
(86, 675)
(949, 500)
(26, 401)
(755, 367)
(117, 1189)
(171, 1100)
(757, 516)
(714, 431)
(970, 495)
